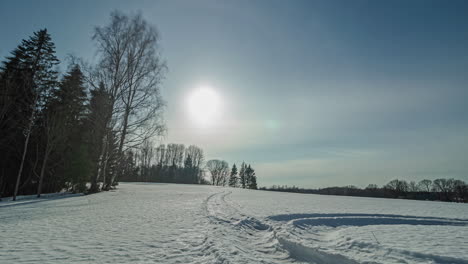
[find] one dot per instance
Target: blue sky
(315, 93)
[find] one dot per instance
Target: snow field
(168, 223)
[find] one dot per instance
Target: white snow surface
(170, 223)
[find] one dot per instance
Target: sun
(204, 106)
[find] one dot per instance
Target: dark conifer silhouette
(29, 78)
(233, 179)
(251, 177)
(242, 176)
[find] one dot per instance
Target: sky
(311, 93)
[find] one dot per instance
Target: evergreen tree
(14, 110)
(233, 176)
(70, 99)
(247, 176)
(68, 109)
(188, 162)
(34, 62)
(242, 176)
(78, 168)
(252, 178)
(189, 170)
(31, 70)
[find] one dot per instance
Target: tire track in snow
(301, 226)
(237, 238)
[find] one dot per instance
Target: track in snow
(301, 226)
(238, 238)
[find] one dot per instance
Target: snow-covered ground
(167, 223)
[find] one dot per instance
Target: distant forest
(448, 190)
(175, 163)
(88, 128)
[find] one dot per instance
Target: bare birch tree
(131, 70)
(219, 170)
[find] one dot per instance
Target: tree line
(222, 176)
(175, 163)
(449, 190)
(74, 131)
(171, 163)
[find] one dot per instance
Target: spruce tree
(33, 62)
(188, 170)
(69, 107)
(70, 99)
(252, 182)
(14, 110)
(233, 176)
(242, 176)
(248, 176)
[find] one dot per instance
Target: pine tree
(188, 162)
(33, 61)
(78, 168)
(70, 99)
(14, 110)
(248, 176)
(189, 176)
(66, 130)
(242, 176)
(252, 178)
(233, 176)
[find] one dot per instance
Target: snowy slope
(166, 223)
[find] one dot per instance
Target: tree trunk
(41, 177)
(121, 143)
(94, 180)
(25, 150)
(104, 168)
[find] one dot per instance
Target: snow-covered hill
(167, 223)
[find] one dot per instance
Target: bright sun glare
(204, 106)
